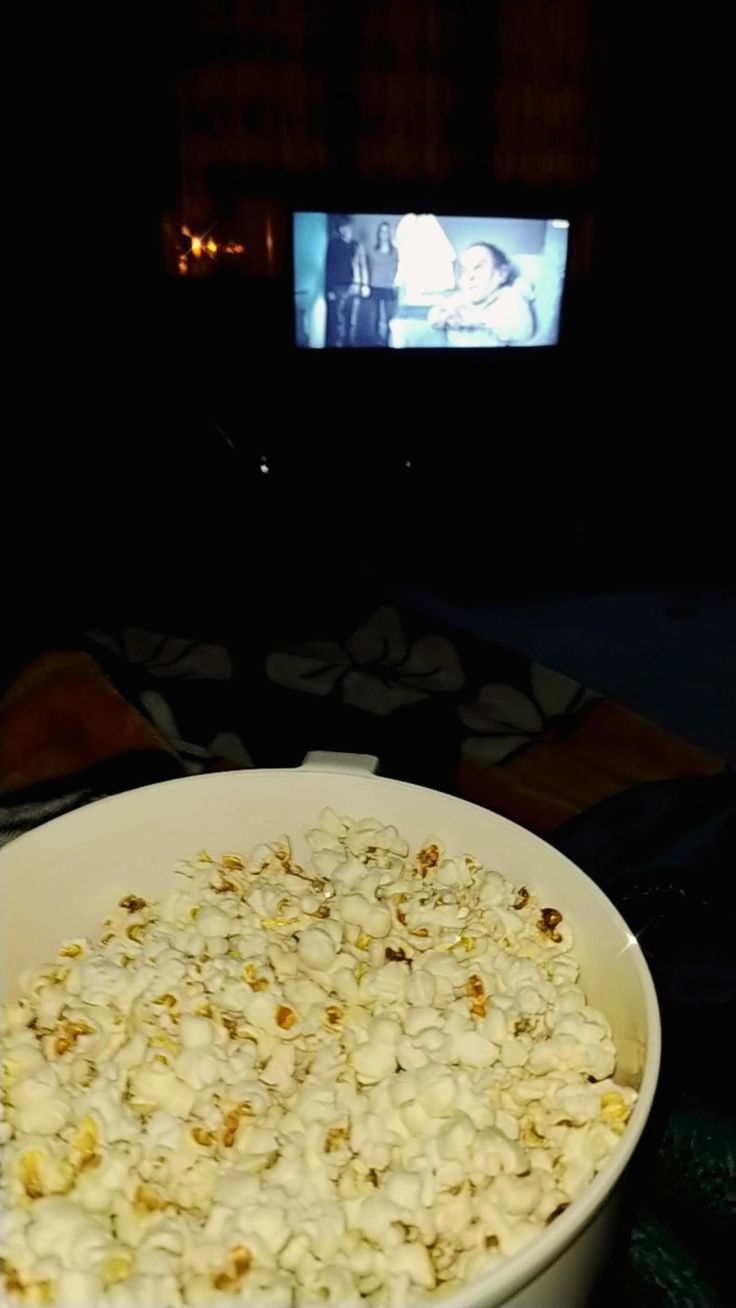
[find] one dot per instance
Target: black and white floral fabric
(504, 719)
(143, 661)
(376, 669)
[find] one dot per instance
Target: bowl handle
(324, 760)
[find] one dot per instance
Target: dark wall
(598, 453)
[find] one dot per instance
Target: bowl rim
(517, 1270)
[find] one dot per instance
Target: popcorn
(372, 918)
(514, 1053)
(39, 1105)
(156, 1085)
(421, 988)
(197, 1068)
(356, 1082)
(373, 1062)
(316, 948)
(78, 1289)
(196, 1032)
(473, 1050)
(39, 1172)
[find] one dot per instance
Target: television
(427, 281)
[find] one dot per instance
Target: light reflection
(634, 938)
(631, 939)
(201, 246)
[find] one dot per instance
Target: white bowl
(62, 879)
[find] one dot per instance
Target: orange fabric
(61, 715)
(608, 749)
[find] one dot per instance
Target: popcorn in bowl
(361, 1081)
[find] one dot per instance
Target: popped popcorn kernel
(615, 1112)
(202, 1136)
(256, 982)
(85, 1140)
(169, 1001)
(556, 1212)
(132, 903)
(238, 1265)
(28, 1171)
(427, 858)
(361, 1080)
(70, 1033)
(225, 887)
(150, 1199)
(114, 1269)
(395, 955)
(285, 1017)
(550, 919)
(72, 950)
(31, 1292)
(335, 1138)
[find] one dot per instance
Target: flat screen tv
(427, 281)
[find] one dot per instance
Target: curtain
(544, 106)
(391, 89)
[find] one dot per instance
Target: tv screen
(427, 281)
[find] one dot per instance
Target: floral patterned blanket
(444, 709)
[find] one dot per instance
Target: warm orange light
(185, 231)
(182, 265)
(197, 247)
(211, 246)
(238, 249)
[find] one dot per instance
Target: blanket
(650, 817)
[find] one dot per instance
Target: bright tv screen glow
(427, 281)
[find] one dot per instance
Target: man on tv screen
(489, 305)
(345, 281)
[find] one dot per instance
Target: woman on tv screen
(383, 264)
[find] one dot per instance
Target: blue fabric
(665, 854)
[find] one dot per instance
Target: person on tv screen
(383, 263)
(345, 281)
(489, 306)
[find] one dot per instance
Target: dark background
(148, 399)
